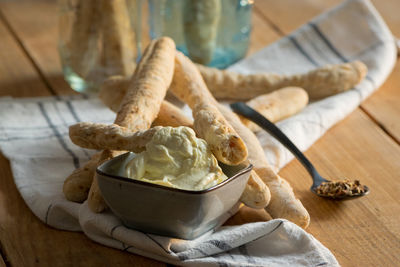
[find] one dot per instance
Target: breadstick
(95, 200)
(112, 137)
(143, 98)
(148, 86)
(319, 83)
(171, 115)
(283, 202)
(77, 185)
(209, 123)
(118, 38)
(201, 18)
(256, 194)
(277, 105)
(83, 43)
(113, 91)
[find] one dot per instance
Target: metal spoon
(249, 113)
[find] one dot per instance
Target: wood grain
(29, 242)
(365, 229)
(383, 106)
(2, 263)
(35, 26)
(288, 15)
(25, 240)
(17, 75)
(363, 232)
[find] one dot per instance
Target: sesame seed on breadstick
(209, 123)
(143, 98)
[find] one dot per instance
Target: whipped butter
(175, 157)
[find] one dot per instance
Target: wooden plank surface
(24, 239)
(368, 227)
(366, 231)
(35, 26)
(27, 241)
(17, 75)
(2, 262)
(31, 39)
(383, 106)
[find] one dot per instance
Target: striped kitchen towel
(34, 137)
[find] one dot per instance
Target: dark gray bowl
(168, 211)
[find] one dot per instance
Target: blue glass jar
(211, 32)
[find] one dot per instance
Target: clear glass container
(98, 39)
(211, 32)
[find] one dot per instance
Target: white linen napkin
(34, 137)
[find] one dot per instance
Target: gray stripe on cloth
(219, 244)
(310, 40)
(30, 137)
(243, 250)
(157, 243)
(57, 134)
(125, 247)
(113, 229)
(270, 232)
(72, 110)
(47, 213)
(77, 119)
(301, 50)
(327, 42)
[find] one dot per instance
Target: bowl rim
(246, 169)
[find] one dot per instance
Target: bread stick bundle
(83, 45)
(277, 105)
(118, 38)
(283, 203)
(143, 99)
(319, 83)
(256, 193)
(76, 186)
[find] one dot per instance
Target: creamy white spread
(175, 157)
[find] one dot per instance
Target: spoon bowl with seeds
(339, 189)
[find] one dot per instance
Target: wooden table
(363, 232)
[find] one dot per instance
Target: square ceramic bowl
(168, 211)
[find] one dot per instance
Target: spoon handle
(251, 114)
